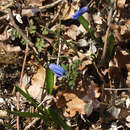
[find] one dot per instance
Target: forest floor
(60, 72)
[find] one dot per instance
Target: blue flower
(80, 12)
(57, 69)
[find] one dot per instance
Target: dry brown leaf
(37, 84)
(128, 75)
(60, 100)
(123, 58)
(121, 32)
(97, 18)
(125, 28)
(72, 32)
(81, 101)
(113, 72)
(84, 64)
(67, 11)
(3, 36)
(121, 3)
(30, 12)
(35, 3)
(3, 114)
(9, 48)
(81, 55)
(74, 104)
(96, 90)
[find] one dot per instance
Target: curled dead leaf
(37, 84)
(74, 104)
(67, 11)
(80, 102)
(121, 3)
(72, 32)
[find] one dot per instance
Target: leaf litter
(86, 89)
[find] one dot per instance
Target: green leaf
(58, 119)
(49, 81)
(23, 42)
(39, 44)
(85, 24)
(25, 114)
(111, 46)
(44, 31)
(32, 29)
(27, 96)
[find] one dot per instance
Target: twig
(50, 5)
(107, 32)
(59, 51)
(20, 84)
(3, 17)
(21, 32)
(56, 17)
(99, 73)
(118, 89)
(32, 123)
(40, 8)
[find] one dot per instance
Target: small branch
(40, 8)
(21, 32)
(99, 73)
(118, 89)
(59, 51)
(20, 84)
(3, 17)
(32, 123)
(107, 32)
(50, 5)
(56, 17)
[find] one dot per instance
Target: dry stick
(20, 84)
(32, 123)
(99, 73)
(118, 89)
(107, 32)
(59, 51)
(36, 119)
(41, 8)
(50, 5)
(21, 32)
(3, 17)
(56, 17)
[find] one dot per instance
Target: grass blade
(25, 114)
(58, 119)
(27, 96)
(111, 46)
(49, 81)
(85, 24)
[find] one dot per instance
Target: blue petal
(57, 69)
(80, 12)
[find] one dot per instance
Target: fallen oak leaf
(67, 11)
(73, 103)
(37, 84)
